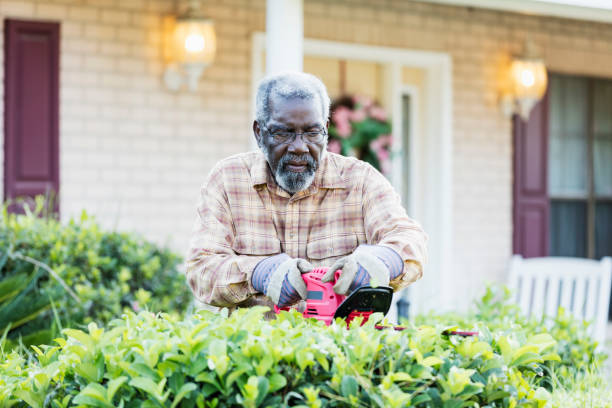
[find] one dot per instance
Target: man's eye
(283, 135)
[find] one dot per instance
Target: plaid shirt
(243, 217)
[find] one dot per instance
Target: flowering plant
(360, 128)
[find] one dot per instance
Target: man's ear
(257, 132)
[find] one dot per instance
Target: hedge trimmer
(322, 303)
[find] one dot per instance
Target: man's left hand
(364, 266)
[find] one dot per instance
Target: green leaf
(264, 365)
(263, 386)
(217, 348)
(88, 370)
(32, 398)
(147, 385)
(185, 389)
(26, 305)
(420, 399)
(277, 381)
(93, 394)
(432, 361)
(208, 390)
(495, 395)
(90, 401)
(453, 403)
(526, 358)
(80, 336)
(234, 375)
(145, 371)
(349, 386)
(113, 386)
(12, 285)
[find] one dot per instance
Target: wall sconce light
(528, 81)
(190, 47)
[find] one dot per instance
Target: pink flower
(340, 118)
(383, 158)
(382, 154)
(344, 130)
(362, 101)
(378, 113)
(358, 115)
(135, 306)
(334, 146)
(386, 140)
(376, 144)
(340, 115)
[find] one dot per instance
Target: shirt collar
(326, 176)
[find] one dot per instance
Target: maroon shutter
(530, 192)
(31, 113)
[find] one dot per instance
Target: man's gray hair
(290, 85)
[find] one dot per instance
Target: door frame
(431, 202)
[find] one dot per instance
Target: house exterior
(134, 153)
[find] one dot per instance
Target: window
(580, 166)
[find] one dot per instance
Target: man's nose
(298, 145)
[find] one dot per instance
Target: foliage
(360, 128)
(496, 312)
(54, 274)
(210, 360)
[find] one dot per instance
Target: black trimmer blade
(365, 299)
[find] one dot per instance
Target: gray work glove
(280, 278)
(360, 268)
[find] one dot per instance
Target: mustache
(310, 163)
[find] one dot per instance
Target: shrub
(53, 274)
(210, 360)
(496, 312)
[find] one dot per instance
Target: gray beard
(293, 182)
(290, 181)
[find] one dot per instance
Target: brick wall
(131, 151)
(135, 154)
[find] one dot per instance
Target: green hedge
(98, 275)
(210, 360)
(496, 312)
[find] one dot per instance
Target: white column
(284, 35)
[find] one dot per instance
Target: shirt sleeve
(387, 224)
(216, 274)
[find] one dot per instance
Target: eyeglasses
(283, 137)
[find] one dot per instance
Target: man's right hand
(280, 278)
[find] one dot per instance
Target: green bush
(210, 360)
(496, 312)
(54, 274)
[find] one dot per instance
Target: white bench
(580, 286)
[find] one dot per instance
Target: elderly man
(267, 216)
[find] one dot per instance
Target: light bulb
(527, 78)
(194, 43)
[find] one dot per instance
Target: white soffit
(593, 10)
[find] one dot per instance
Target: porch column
(284, 35)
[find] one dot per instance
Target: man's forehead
(281, 107)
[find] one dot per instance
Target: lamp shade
(529, 78)
(195, 41)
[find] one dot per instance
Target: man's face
(293, 164)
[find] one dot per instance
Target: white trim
(412, 206)
(585, 11)
(433, 201)
(284, 35)
(395, 73)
